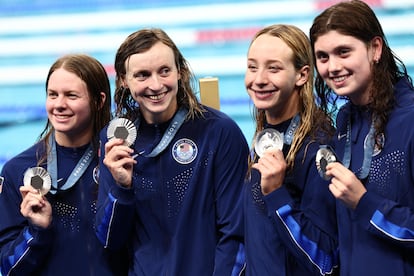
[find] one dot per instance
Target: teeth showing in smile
(265, 92)
(156, 97)
(338, 79)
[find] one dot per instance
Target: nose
(60, 102)
(261, 77)
(155, 83)
(334, 64)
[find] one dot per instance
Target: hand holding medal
(124, 129)
(35, 206)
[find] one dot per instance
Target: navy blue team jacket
(183, 214)
(69, 246)
(377, 238)
(291, 231)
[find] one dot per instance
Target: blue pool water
(214, 42)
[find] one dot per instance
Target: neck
(72, 142)
(284, 111)
(361, 98)
(159, 117)
(280, 117)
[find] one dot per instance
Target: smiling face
(345, 64)
(152, 77)
(68, 108)
(271, 78)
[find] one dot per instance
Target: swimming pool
(214, 42)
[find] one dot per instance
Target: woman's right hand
(345, 185)
(272, 167)
(35, 207)
(119, 161)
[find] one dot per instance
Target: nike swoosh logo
(341, 136)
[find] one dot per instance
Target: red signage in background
(225, 35)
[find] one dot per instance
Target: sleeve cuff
(367, 205)
(277, 199)
(124, 195)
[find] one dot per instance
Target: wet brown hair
(92, 72)
(355, 18)
(139, 42)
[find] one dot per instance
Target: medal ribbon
(290, 132)
(169, 134)
(368, 150)
(77, 172)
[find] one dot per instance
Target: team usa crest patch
(184, 151)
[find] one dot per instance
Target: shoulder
(216, 126)
(404, 101)
(217, 118)
(28, 156)
(404, 95)
(16, 166)
(213, 120)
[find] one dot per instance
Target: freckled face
(345, 63)
(152, 78)
(67, 107)
(271, 77)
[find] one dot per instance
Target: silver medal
(38, 178)
(266, 139)
(324, 156)
(122, 128)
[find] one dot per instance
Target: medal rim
(43, 173)
(322, 153)
(130, 126)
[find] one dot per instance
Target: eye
(252, 68)
(141, 76)
(274, 69)
(165, 72)
(52, 94)
(322, 57)
(72, 96)
(344, 52)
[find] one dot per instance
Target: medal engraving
(122, 128)
(267, 139)
(38, 178)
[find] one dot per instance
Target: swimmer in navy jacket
(374, 182)
(53, 233)
(289, 211)
(174, 196)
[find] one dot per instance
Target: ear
(121, 81)
(302, 75)
(376, 47)
(103, 99)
